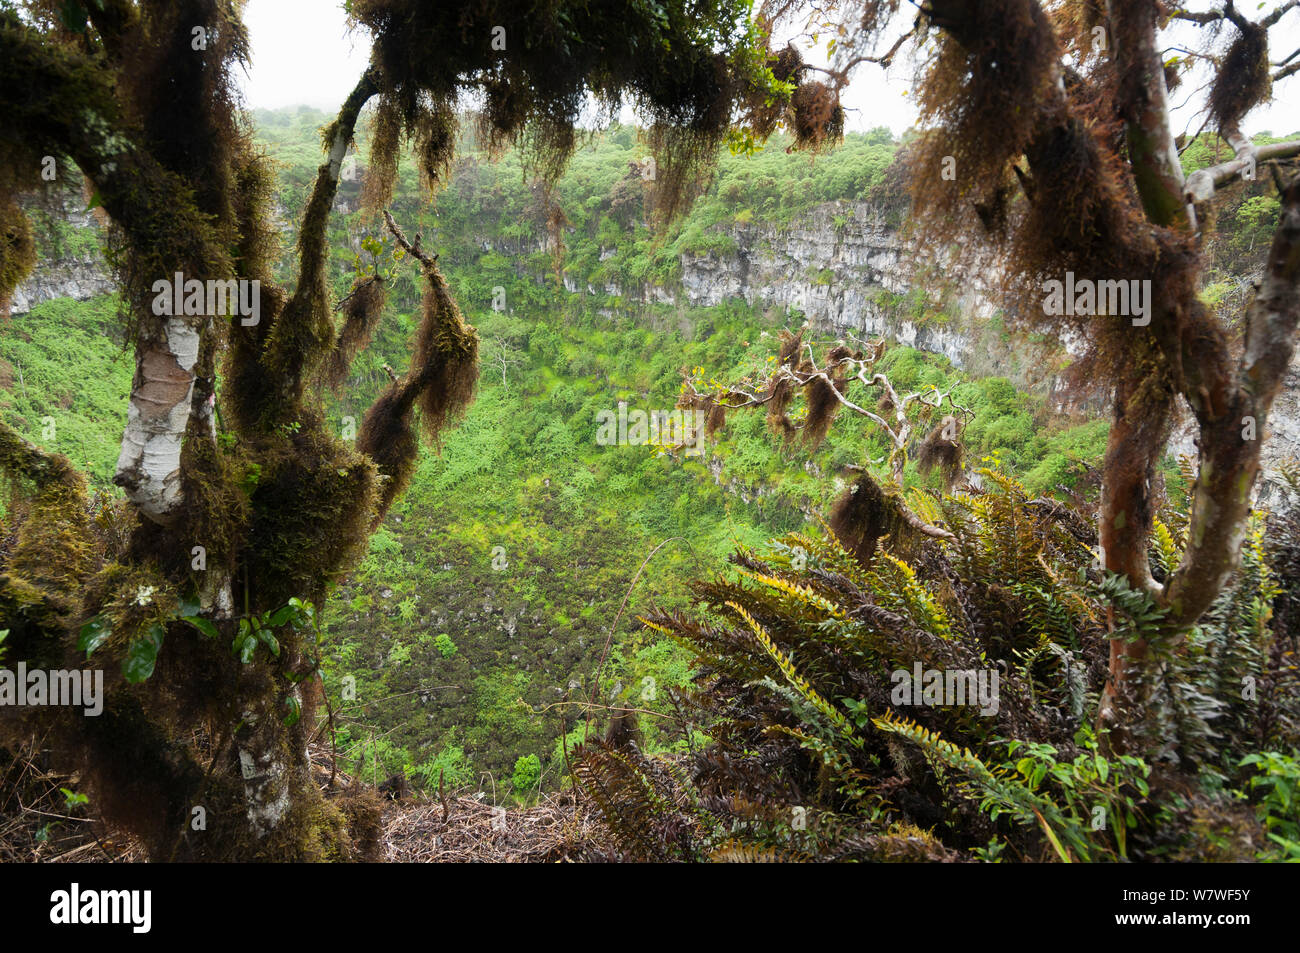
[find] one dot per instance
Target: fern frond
(797, 681)
(1168, 554)
(895, 578)
(999, 792)
(801, 593)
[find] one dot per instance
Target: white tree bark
(149, 465)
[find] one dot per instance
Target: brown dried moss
(387, 436)
(361, 313)
(442, 382)
(817, 116)
(979, 97)
(716, 420)
(445, 363)
(1242, 79)
(821, 399)
(385, 151)
(782, 393)
(860, 517)
(938, 450)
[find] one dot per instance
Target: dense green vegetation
(474, 627)
(820, 754)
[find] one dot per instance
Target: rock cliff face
(843, 266)
(847, 271)
(80, 275)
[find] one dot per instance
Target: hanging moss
(441, 382)
(385, 151)
(822, 402)
(818, 121)
(781, 392)
(533, 66)
(942, 451)
(980, 96)
(716, 420)
(860, 518)
(388, 437)
(866, 514)
(17, 249)
(444, 367)
(434, 138)
(1243, 77)
(361, 313)
(312, 507)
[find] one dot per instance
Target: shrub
(528, 771)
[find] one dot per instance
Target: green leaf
(295, 710)
(93, 634)
(245, 642)
(269, 641)
(281, 616)
(205, 626)
(1051, 836)
(142, 654)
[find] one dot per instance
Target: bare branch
(363, 285)
(1279, 13)
(1201, 19)
(1202, 183)
(411, 248)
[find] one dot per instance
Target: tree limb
(1144, 105)
(1229, 463)
(1201, 184)
(411, 248)
(305, 323)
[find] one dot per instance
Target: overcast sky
(303, 55)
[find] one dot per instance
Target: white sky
(303, 55)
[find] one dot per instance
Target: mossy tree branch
(1144, 104)
(304, 330)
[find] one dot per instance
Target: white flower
(144, 595)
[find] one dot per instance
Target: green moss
(42, 579)
(17, 249)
